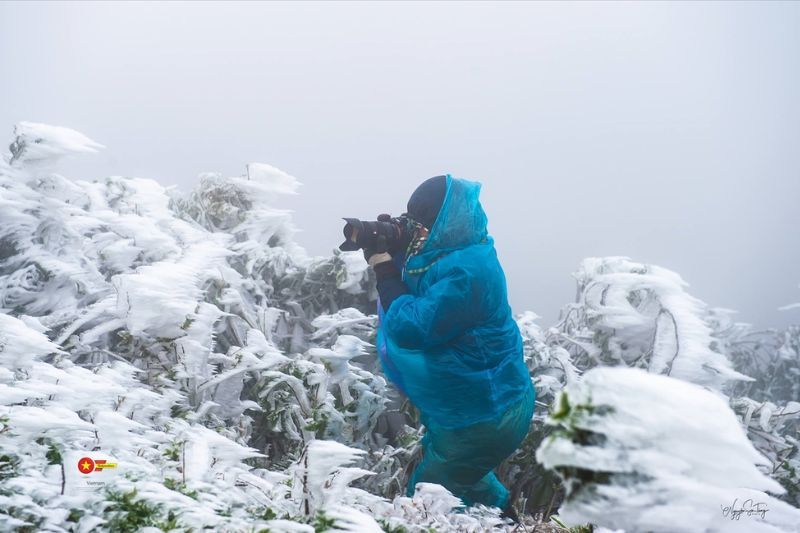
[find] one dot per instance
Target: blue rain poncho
(451, 344)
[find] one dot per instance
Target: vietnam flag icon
(89, 471)
(86, 465)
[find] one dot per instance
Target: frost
(20, 344)
(36, 142)
(272, 179)
(641, 315)
(649, 446)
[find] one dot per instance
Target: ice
(272, 179)
(42, 142)
(670, 447)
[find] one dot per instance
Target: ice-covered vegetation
(635, 448)
(233, 378)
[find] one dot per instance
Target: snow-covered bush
(771, 357)
(768, 406)
(536, 489)
(775, 432)
(630, 314)
(641, 316)
(51, 408)
(645, 452)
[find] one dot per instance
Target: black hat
(426, 201)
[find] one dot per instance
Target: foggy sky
(669, 133)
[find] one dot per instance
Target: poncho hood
(461, 222)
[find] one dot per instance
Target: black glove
(389, 279)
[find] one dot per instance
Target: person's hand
(375, 259)
(379, 254)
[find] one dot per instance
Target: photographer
(447, 338)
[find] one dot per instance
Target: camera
(390, 233)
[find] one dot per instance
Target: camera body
(387, 234)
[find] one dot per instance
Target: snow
(159, 298)
(20, 344)
(272, 179)
(37, 142)
(649, 319)
(670, 446)
(355, 269)
(348, 519)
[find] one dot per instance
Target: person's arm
(390, 283)
(445, 311)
